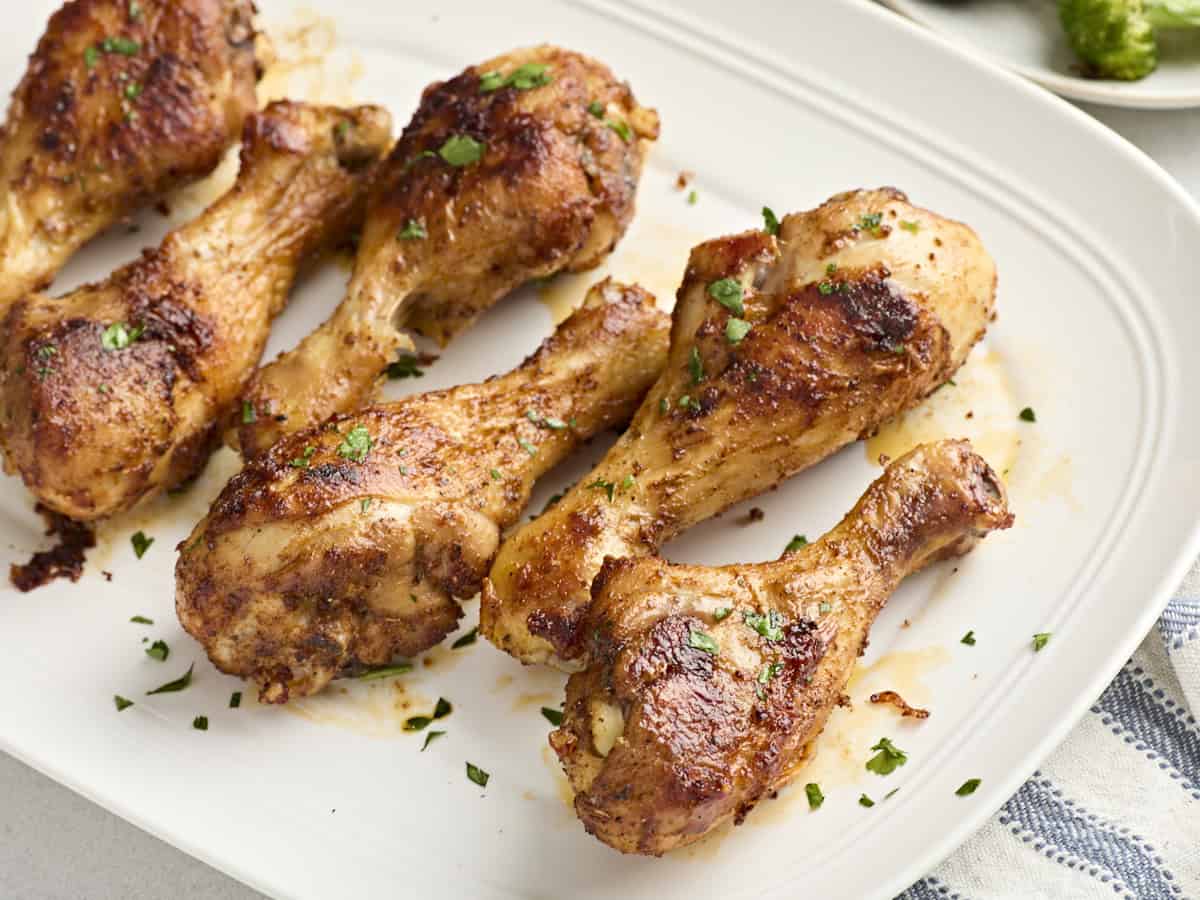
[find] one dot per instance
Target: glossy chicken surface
(120, 103)
(350, 543)
(706, 686)
(116, 390)
(502, 176)
(856, 311)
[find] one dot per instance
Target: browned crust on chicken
(553, 190)
(850, 322)
(715, 681)
(92, 427)
(318, 559)
(114, 110)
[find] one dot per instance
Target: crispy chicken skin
(852, 318)
(120, 103)
(447, 236)
(116, 390)
(706, 686)
(347, 544)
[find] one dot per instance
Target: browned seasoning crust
(314, 562)
(552, 190)
(705, 687)
(64, 560)
(907, 711)
(849, 324)
(95, 419)
(113, 111)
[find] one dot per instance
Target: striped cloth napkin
(1115, 810)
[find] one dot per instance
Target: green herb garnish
(477, 775)
(385, 672)
(769, 626)
(721, 613)
(249, 416)
(413, 231)
(553, 716)
(523, 78)
(815, 797)
(866, 801)
(770, 221)
(172, 687)
(596, 108)
(356, 444)
(871, 224)
(968, 639)
(969, 787)
(466, 640)
(304, 459)
(624, 132)
(1027, 415)
(888, 759)
(121, 703)
(696, 366)
(430, 737)
(461, 150)
(736, 330)
(910, 227)
(728, 292)
(796, 543)
(527, 447)
(141, 620)
(1040, 640)
(140, 543)
(158, 650)
(118, 336)
(405, 366)
(200, 723)
(235, 699)
(698, 640)
(603, 484)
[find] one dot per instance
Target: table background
(55, 845)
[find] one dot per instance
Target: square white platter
(1097, 329)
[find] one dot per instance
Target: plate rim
(1088, 90)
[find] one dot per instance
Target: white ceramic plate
(1025, 36)
(1096, 331)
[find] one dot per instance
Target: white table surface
(55, 845)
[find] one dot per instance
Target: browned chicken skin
(706, 686)
(486, 189)
(114, 392)
(858, 310)
(345, 545)
(121, 102)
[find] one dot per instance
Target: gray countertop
(55, 844)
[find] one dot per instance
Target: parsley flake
(553, 716)
(736, 330)
(1027, 415)
(430, 737)
(796, 543)
(385, 672)
(698, 640)
(235, 699)
(141, 620)
(466, 640)
(968, 639)
(815, 798)
(696, 366)
(118, 335)
(728, 292)
(1040, 640)
(866, 801)
(527, 447)
(769, 626)
(770, 221)
(141, 543)
(523, 78)
(477, 775)
(888, 759)
(624, 132)
(969, 787)
(304, 460)
(200, 723)
(158, 650)
(173, 687)
(356, 444)
(596, 108)
(871, 224)
(121, 703)
(461, 150)
(910, 227)
(722, 612)
(413, 231)
(405, 366)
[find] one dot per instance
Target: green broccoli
(1115, 38)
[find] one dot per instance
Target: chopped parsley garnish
(736, 330)
(173, 687)
(968, 639)
(770, 221)
(722, 613)
(249, 416)
(553, 716)
(405, 366)
(304, 459)
(356, 444)
(696, 366)
(813, 793)
(825, 288)
(866, 801)
(624, 132)
(824, 606)
(769, 626)
(664, 405)
(910, 227)
(385, 672)
(413, 231)
(466, 640)
(603, 484)
(628, 482)
(796, 543)
(596, 108)
(122, 45)
(121, 703)
(1027, 415)
(1040, 640)
(366, 504)
(158, 650)
(969, 787)
(698, 640)
(118, 335)
(496, 476)
(888, 759)
(527, 447)
(200, 723)
(235, 699)
(831, 269)
(133, 90)
(430, 737)
(546, 421)
(141, 543)
(765, 674)
(523, 78)
(341, 129)
(477, 775)
(728, 292)
(871, 224)
(692, 197)
(554, 498)
(90, 57)
(461, 150)
(686, 402)
(141, 620)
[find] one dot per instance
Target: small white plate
(1097, 329)
(1025, 35)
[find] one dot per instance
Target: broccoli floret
(1115, 38)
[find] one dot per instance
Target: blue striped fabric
(1115, 812)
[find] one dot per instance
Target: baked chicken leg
(345, 545)
(114, 392)
(121, 102)
(516, 169)
(783, 350)
(706, 686)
